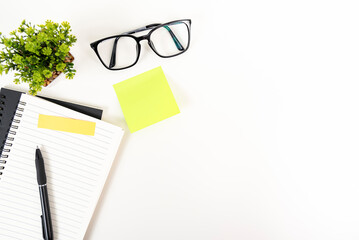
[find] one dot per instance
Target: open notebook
(76, 167)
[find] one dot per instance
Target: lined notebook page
(76, 167)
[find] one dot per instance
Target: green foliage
(35, 52)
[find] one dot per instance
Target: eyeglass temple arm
(113, 54)
(148, 27)
(151, 26)
(175, 39)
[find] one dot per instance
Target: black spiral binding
(2, 106)
(7, 143)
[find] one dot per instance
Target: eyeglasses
(123, 51)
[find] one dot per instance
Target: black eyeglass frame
(152, 28)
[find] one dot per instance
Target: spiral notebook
(76, 166)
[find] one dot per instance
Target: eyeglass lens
(125, 53)
(170, 39)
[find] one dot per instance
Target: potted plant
(38, 53)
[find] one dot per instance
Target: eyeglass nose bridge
(144, 37)
(139, 39)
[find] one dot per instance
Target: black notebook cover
(9, 100)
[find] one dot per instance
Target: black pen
(44, 198)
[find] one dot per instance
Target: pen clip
(43, 227)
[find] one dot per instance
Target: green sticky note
(146, 99)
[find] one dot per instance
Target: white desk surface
(266, 144)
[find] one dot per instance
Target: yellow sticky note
(66, 124)
(146, 99)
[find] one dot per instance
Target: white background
(266, 144)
